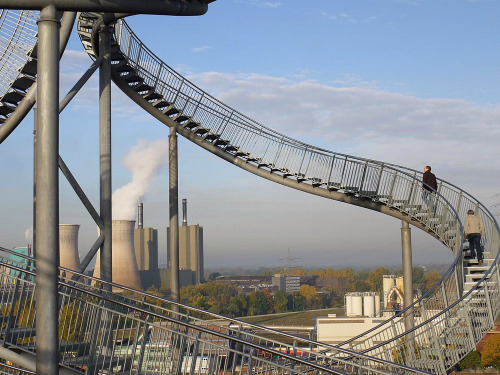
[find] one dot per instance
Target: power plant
(146, 251)
(124, 264)
(190, 247)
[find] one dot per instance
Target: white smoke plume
(29, 235)
(145, 160)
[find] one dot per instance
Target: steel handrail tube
(106, 297)
(106, 300)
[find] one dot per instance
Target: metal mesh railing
(138, 332)
(18, 32)
(392, 185)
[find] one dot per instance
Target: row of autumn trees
(224, 299)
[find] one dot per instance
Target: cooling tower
(68, 246)
(124, 270)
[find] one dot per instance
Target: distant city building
(287, 283)
(185, 278)
(248, 284)
(190, 248)
(333, 282)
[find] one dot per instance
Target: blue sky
(408, 82)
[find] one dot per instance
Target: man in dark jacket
(429, 188)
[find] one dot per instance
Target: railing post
(445, 299)
(145, 339)
(437, 348)
(362, 182)
(466, 317)
(343, 171)
(488, 303)
(390, 199)
(194, 354)
(379, 180)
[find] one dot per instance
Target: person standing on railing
(474, 231)
(429, 188)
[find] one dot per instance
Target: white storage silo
(368, 304)
(124, 268)
(357, 305)
(68, 246)
(377, 305)
(348, 304)
(388, 282)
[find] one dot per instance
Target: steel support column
(407, 272)
(105, 151)
(174, 214)
(47, 194)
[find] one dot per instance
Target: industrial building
(287, 283)
(190, 248)
(146, 252)
(145, 244)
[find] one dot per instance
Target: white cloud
(200, 49)
(266, 4)
(370, 122)
(347, 17)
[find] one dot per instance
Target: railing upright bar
(488, 303)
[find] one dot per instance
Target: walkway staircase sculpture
(450, 318)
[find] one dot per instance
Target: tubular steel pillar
(174, 214)
(47, 194)
(407, 272)
(105, 150)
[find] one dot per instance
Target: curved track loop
(452, 317)
(18, 83)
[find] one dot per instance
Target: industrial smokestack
(68, 246)
(184, 212)
(124, 268)
(140, 216)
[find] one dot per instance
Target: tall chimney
(139, 215)
(184, 212)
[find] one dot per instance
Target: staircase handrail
(88, 280)
(131, 305)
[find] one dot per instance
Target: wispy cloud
(267, 4)
(366, 121)
(355, 80)
(200, 49)
(344, 17)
